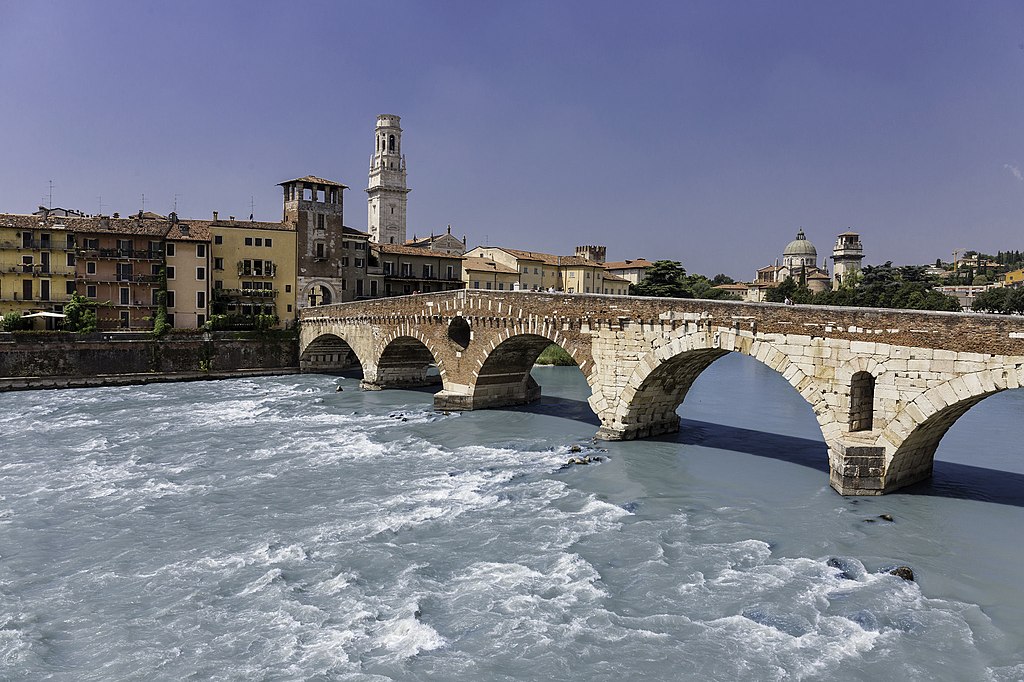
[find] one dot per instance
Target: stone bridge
(885, 385)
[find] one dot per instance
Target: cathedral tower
(387, 191)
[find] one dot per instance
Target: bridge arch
(329, 352)
(914, 434)
(503, 369)
(657, 386)
(403, 359)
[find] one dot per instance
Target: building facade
(37, 264)
(187, 273)
(847, 255)
(413, 270)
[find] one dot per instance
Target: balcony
(135, 254)
(37, 245)
(228, 294)
(119, 277)
(38, 269)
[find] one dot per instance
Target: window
(200, 273)
(320, 222)
(268, 242)
(70, 287)
(71, 241)
(170, 298)
(125, 319)
(90, 290)
(92, 244)
(406, 269)
(535, 271)
(428, 272)
(487, 285)
(289, 307)
(346, 244)
(218, 284)
(154, 269)
(126, 296)
(170, 320)
(200, 300)
(344, 284)
(287, 288)
(155, 297)
(389, 268)
(124, 272)
(124, 245)
(360, 246)
(360, 262)
(218, 263)
(170, 249)
(170, 272)
(451, 272)
(476, 284)
(344, 261)
(526, 270)
(200, 320)
(248, 241)
(218, 239)
(501, 286)
(320, 250)
(259, 241)
(200, 250)
(71, 260)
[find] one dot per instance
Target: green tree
(79, 314)
(665, 278)
(788, 289)
(13, 321)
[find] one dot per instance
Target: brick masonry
(916, 372)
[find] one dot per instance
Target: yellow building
(187, 268)
(543, 271)
(1014, 278)
(253, 269)
(37, 264)
(485, 273)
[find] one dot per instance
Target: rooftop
(313, 180)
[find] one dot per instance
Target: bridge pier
(857, 468)
(487, 394)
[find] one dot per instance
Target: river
(275, 528)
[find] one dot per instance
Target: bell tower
(387, 191)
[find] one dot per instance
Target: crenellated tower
(386, 218)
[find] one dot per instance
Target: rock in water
(575, 448)
(904, 572)
(886, 517)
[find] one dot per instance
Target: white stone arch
(912, 436)
(625, 419)
(325, 284)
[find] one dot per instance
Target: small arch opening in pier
(862, 401)
(330, 354)
(459, 332)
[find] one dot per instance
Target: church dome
(801, 248)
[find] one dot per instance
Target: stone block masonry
(55, 360)
(884, 385)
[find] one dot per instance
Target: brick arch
(914, 434)
(402, 358)
(330, 350)
(662, 378)
(507, 355)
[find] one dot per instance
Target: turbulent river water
(274, 528)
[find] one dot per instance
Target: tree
(788, 289)
(1002, 300)
(665, 278)
(79, 314)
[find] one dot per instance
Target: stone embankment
(55, 360)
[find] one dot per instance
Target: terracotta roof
(818, 275)
(414, 251)
(243, 225)
(609, 277)
(546, 258)
(737, 286)
(627, 264)
(477, 264)
(313, 180)
(190, 231)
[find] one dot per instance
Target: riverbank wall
(34, 360)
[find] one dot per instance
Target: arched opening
(459, 332)
(406, 362)
(318, 294)
(862, 401)
(391, 143)
(505, 377)
(329, 354)
(651, 411)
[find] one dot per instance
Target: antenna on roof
(252, 207)
(50, 204)
(100, 200)
(176, 202)
(143, 202)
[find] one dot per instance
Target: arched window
(391, 143)
(325, 295)
(862, 401)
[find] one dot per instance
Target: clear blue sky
(706, 132)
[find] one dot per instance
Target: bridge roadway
(885, 385)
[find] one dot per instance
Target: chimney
(117, 215)
(215, 218)
(231, 218)
(184, 229)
